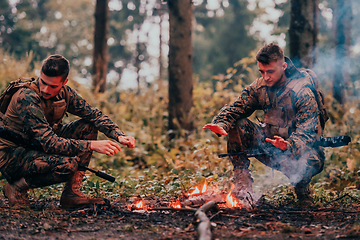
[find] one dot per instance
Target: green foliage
(67, 27)
(281, 194)
(222, 39)
(156, 167)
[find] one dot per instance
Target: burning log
(199, 200)
(199, 197)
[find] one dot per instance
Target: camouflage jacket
(25, 109)
(304, 128)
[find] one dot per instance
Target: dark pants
(247, 135)
(41, 169)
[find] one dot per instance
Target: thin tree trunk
(100, 57)
(137, 60)
(160, 82)
(342, 22)
(180, 66)
(303, 32)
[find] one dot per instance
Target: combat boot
(16, 193)
(304, 196)
(72, 197)
(242, 185)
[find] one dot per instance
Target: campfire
(197, 197)
(200, 200)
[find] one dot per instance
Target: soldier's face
(273, 73)
(50, 86)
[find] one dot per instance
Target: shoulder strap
(13, 87)
(319, 96)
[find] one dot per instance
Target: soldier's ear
(65, 81)
(284, 65)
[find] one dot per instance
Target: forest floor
(120, 220)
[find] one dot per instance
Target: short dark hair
(269, 53)
(56, 65)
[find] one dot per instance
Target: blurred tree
(303, 32)
(128, 39)
(100, 59)
(221, 36)
(342, 22)
(67, 27)
(180, 66)
(19, 22)
(160, 12)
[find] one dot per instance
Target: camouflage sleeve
(38, 129)
(243, 107)
(307, 122)
(79, 107)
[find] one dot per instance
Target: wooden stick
(173, 209)
(341, 197)
(219, 212)
(231, 216)
(204, 228)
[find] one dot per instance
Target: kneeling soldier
(293, 121)
(35, 112)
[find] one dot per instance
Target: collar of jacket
(291, 71)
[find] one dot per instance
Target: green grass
(153, 168)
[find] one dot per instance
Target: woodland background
(163, 69)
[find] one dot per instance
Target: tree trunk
(303, 32)
(180, 66)
(137, 59)
(160, 81)
(100, 57)
(342, 23)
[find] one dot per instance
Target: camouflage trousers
(41, 169)
(247, 135)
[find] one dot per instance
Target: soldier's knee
(244, 126)
(88, 128)
(72, 165)
(240, 125)
(244, 133)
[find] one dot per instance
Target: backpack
(319, 95)
(13, 87)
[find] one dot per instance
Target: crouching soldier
(35, 111)
(294, 117)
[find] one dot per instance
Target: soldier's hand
(278, 142)
(215, 129)
(127, 140)
(105, 147)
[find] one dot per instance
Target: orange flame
(195, 191)
(176, 204)
(139, 205)
(230, 201)
(203, 189)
